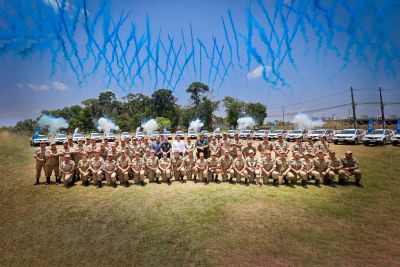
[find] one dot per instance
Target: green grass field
(194, 224)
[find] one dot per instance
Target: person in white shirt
(178, 145)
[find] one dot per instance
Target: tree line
(129, 113)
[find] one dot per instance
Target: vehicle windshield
(276, 131)
(78, 135)
(231, 131)
(167, 132)
(348, 132)
(111, 134)
(318, 132)
(125, 133)
(95, 134)
(377, 132)
(61, 136)
(296, 132)
(261, 131)
(41, 136)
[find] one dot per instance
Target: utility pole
(382, 108)
(353, 105)
(283, 116)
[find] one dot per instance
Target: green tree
(196, 91)
(106, 101)
(28, 126)
(258, 111)
(84, 121)
(205, 111)
(164, 105)
(162, 122)
(234, 110)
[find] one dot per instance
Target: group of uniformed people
(204, 160)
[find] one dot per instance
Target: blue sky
(316, 75)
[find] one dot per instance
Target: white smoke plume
(303, 121)
(76, 130)
(150, 126)
(138, 129)
(106, 125)
(245, 123)
(54, 124)
(196, 125)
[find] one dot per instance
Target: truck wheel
(335, 142)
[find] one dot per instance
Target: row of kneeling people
(282, 169)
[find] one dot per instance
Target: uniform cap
(67, 156)
(348, 152)
(110, 154)
(137, 153)
(297, 137)
(53, 143)
(65, 142)
(213, 153)
(42, 142)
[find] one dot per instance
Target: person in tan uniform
(135, 146)
(236, 146)
(110, 168)
(247, 148)
(84, 168)
(202, 168)
(310, 147)
(52, 162)
(225, 143)
(214, 168)
(296, 167)
(322, 168)
(123, 168)
(91, 148)
(226, 162)
(336, 166)
(299, 147)
(40, 157)
(308, 168)
(267, 167)
(178, 170)
(214, 146)
(239, 166)
(282, 170)
(189, 145)
(189, 165)
(280, 146)
(145, 145)
(103, 151)
(138, 168)
(66, 149)
(67, 169)
(351, 167)
(77, 156)
(153, 173)
(114, 151)
(322, 145)
(96, 168)
(253, 169)
(264, 145)
(164, 165)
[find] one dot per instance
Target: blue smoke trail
(271, 25)
(212, 60)
(193, 57)
(175, 62)
(148, 46)
(235, 36)
(227, 40)
(184, 43)
(181, 72)
(249, 36)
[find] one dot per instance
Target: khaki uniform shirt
(176, 162)
(322, 165)
(213, 164)
(349, 163)
(296, 164)
(67, 166)
(84, 165)
(52, 160)
(267, 164)
(336, 163)
(226, 162)
(246, 150)
(123, 163)
(308, 164)
(191, 146)
(97, 164)
(301, 148)
(264, 146)
(202, 164)
(324, 146)
(189, 162)
(239, 163)
(281, 165)
(153, 163)
(137, 165)
(281, 146)
(214, 147)
(251, 162)
(110, 166)
(40, 153)
(225, 144)
(164, 163)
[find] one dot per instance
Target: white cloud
(54, 85)
(257, 72)
(53, 4)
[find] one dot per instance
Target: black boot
(286, 182)
(205, 181)
(304, 183)
(341, 182)
(181, 179)
(246, 182)
(157, 180)
(216, 179)
(47, 180)
(358, 183)
(317, 183)
(87, 183)
(126, 184)
(230, 180)
(37, 181)
(168, 181)
(195, 179)
(142, 183)
(98, 184)
(275, 183)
